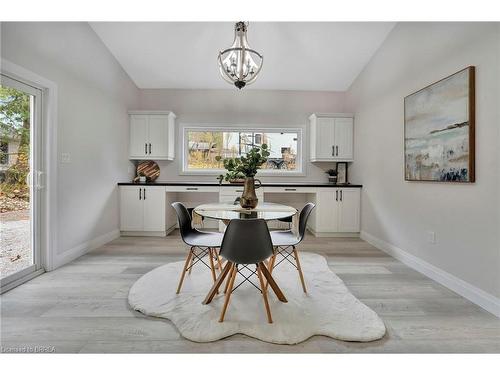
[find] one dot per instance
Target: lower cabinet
(337, 211)
(145, 210)
(142, 209)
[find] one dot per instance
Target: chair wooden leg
(299, 268)
(228, 294)
(272, 283)
(219, 261)
(186, 265)
(270, 266)
(212, 266)
(264, 295)
(191, 265)
(213, 291)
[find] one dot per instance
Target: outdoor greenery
(15, 126)
(245, 166)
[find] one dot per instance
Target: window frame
(248, 128)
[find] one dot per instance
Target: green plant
(244, 166)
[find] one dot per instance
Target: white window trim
(238, 128)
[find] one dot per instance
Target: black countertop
(270, 184)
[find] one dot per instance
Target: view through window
(15, 132)
(204, 146)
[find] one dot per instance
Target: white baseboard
(474, 294)
(78, 251)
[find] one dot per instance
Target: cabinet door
(158, 136)
(348, 213)
(154, 209)
(343, 138)
(171, 137)
(131, 209)
(325, 138)
(138, 136)
(325, 214)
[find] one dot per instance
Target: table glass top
(229, 211)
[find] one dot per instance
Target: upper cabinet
(332, 137)
(152, 135)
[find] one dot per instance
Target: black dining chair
(284, 242)
(245, 242)
(201, 244)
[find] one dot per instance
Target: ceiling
(297, 55)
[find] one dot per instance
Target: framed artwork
(439, 130)
(341, 172)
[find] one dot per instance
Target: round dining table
(227, 211)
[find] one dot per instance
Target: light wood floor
(82, 307)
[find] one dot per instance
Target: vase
(249, 198)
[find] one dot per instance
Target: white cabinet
(152, 135)
(337, 211)
(348, 206)
(142, 209)
(331, 137)
(131, 209)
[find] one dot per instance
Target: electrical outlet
(431, 237)
(65, 157)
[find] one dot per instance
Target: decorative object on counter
(332, 176)
(148, 169)
(342, 172)
(247, 166)
(239, 64)
(439, 130)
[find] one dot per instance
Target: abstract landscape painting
(439, 130)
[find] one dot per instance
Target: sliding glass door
(20, 180)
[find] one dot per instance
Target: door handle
(193, 188)
(333, 150)
(290, 189)
(341, 195)
(150, 149)
(140, 195)
(144, 193)
(146, 148)
(337, 195)
(337, 150)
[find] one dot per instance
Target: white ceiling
(297, 55)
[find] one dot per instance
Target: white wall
(465, 217)
(230, 107)
(94, 94)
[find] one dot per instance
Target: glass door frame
(35, 181)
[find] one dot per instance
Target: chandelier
(240, 64)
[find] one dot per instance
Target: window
(202, 146)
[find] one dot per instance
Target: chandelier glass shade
(239, 64)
